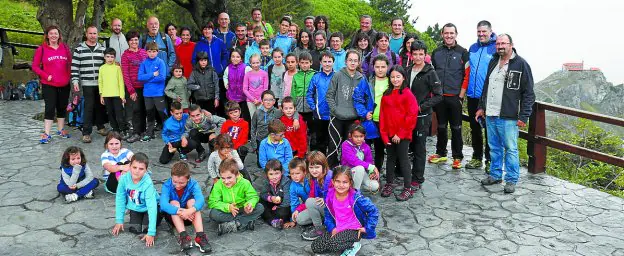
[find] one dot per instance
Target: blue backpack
(74, 118)
(32, 90)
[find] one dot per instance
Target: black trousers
(379, 150)
(449, 111)
(115, 111)
(397, 155)
(320, 133)
(279, 213)
(419, 147)
(140, 220)
(198, 138)
(338, 132)
(476, 134)
(245, 115)
(55, 99)
(138, 112)
(220, 110)
(93, 113)
(154, 106)
(166, 156)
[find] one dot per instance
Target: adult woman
(293, 31)
(382, 47)
(52, 63)
(184, 51)
(130, 62)
(321, 23)
(405, 56)
(363, 44)
(303, 43)
(172, 31)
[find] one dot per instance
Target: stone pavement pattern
(451, 215)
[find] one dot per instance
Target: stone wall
(7, 73)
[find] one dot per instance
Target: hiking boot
(388, 189)
(201, 157)
(183, 157)
(435, 158)
(73, 197)
(474, 164)
(405, 195)
(509, 188)
(277, 223)
(102, 132)
(201, 241)
(457, 164)
(312, 234)
(45, 138)
(63, 134)
(415, 186)
(185, 242)
(86, 138)
(226, 227)
(353, 250)
(89, 195)
(490, 181)
(134, 138)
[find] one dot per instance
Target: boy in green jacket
(233, 201)
(300, 84)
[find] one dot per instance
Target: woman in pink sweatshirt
(52, 63)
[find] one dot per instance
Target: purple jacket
(350, 155)
(369, 67)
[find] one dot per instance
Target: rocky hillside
(586, 90)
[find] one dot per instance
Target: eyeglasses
(502, 43)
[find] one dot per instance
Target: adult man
(282, 40)
(309, 24)
(481, 53)
(86, 61)
(506, 103)
(223, 32)
(366, 24)
(256, 16)
(451, 63)
(241, 42)
(117, 40)
(397, 36)
(166, 50)
(320, 43)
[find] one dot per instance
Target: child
(276, 75)
(275, 196)
(275, 146)
(265, 55)
(258, 36)
(77, 180)
(223, 150)
(261, 119)
(233, 77)
(112, 92)
(152, 73)
(182, 201)
(299, 191)
(349, 216)
(233, 201)
(204, 84)
(173, 135)
(357, 155)
(202, 127)
(176, 88)
(335, 41)
(283, 39)
(318, 104)
(300, 84)
(115, 160)
(397, 120)
(255, 82)
(291, 70)
(237, 128)
(320, 181)
(136, 193)
(298, 138)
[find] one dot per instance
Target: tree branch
(184, 5)
(81, 13)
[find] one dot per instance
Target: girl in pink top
(255, 82)
(52, 63)
(291, 70)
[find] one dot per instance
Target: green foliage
(274, 10)
(21, 15)
(434, 33)
(388, 9)
(344, 15)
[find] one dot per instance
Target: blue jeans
(502, 135)
(81, 192)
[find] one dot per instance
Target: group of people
(306, 106)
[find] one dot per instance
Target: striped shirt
(108, 158)
(86, 64)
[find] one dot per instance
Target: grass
(21, 15)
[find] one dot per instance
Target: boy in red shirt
(236, 127)
(298, 138)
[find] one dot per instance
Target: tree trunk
(203, 11)
(60, 13)
(98, 13)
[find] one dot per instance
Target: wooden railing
(4, 38)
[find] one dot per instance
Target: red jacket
(238, 130)
(298, 139)
(398, 115)
(184, 55)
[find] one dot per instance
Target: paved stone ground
(451, 215)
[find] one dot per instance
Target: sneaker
(474, 164)
(86, 138)
(435, 158)
(226, 227)
(353, 250)
(509, 188)
(201, 157)
(45, 138)
(201, 241)
(102, 132)
(185, 242)
(146, 138)
(134, 138)
(277, 223)
(89, 195)
(405, 195)
(63, 134)
(312, 234)
(490, 181)
(457, 164)
(251, 225)
(415, 186)
(108, 191)
(71, 198)
(388, 189)
(183, 157)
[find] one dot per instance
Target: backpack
(32, 90)
(162, 36)
(74, 118)
(11, 92)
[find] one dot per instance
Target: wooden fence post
(536, 151)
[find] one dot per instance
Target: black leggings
(269, 214)
(56, 99)
(398, 153)
(341, 241)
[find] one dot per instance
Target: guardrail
(4, 38)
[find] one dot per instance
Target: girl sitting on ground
(77, 180)
(115, 160)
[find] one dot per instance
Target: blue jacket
(191, 191)
(327, 183)
(153, 86)
(364, 209)
(140, 197)
(217, 53)
(166, 50)
(282, 151)
(364, 102)
(298, 193)
(316, 94)
(284, 42)
(480, 56)
(227, 37)
(339, 59)
(254, 48)
(173, 129)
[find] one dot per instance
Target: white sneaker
(71, 198)
(353, 250)
(89, 195)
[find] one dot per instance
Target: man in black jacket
(506, 103)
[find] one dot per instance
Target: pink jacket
(130, 63)
(254, 84)
(55, 62)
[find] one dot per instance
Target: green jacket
(177, 88)
(241, 194)
(300, 84)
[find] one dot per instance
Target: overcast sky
(546, 33)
